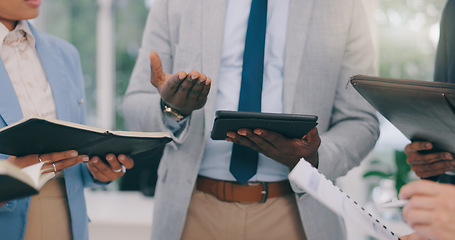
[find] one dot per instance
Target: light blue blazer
(61, 64)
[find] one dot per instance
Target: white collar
(21, 25)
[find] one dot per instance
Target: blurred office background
(108, 34)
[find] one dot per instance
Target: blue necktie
(244, 160)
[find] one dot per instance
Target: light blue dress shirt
(216, 159)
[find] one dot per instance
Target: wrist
(171, 112)
(292, 164)
(313, 160)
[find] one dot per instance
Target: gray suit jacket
(327, 42)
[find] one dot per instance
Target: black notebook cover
(289, 125)
(40, 136)
(13, 188)
(421, 110)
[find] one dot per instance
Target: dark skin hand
(109, 171)
(431, 164)
(275, 146)
(188, 92)
(184, 92)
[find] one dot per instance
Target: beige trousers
(210, 218)
(48, 215)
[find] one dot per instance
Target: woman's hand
(53, 162)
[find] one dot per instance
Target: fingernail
(230, 134)
(109, 158)
(73, 154)
(193, 77)
(182, 76)
(241, 133)
(428, 145)
(85, 159)
(448, 156)
(257, 132)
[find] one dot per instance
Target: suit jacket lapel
(298, 27)
(10, 109)
(53, 66)
(212, 39)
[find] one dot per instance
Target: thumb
(311, 135)
(156, 67)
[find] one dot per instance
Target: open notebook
(41, 135)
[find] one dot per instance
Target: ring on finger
(41, 160)
(55, 169)
(117, 170)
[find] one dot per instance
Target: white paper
(34, 172)
(306, 177)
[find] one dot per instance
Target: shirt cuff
(175, 127)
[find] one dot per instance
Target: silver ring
(117, 171)
(123, 169)
(55, 169)
(41, 160)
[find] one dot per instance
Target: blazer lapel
(53, 66)
(298, 27)
(10, 109)
(212, 39)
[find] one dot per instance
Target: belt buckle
(264, 192)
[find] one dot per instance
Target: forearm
(346, 145)
(354, 127)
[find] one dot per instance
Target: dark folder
(40, 135)
(421, 110)
(288, 125)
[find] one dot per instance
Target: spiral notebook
(309, 179)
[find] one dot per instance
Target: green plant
(399, 173)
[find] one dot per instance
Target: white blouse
(17, 50)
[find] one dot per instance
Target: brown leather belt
(235, 192)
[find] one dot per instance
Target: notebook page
(307, 178)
